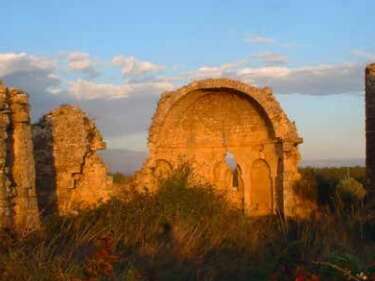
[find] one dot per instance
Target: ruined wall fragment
(205, 121)
(5, 192)
(18, 202)
(70, 175)
(370, 127)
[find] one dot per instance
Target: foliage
(307, 187)
(186, 232)
(350, 190)
(328, 185)
(119, 178)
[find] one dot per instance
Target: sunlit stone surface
(205, 121)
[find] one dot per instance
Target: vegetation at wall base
(185, 232)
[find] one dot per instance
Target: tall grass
(186, 232)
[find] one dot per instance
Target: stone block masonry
(18, 201)
(70, 175)
(50, 167)
(209, 121)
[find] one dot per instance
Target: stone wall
(18, 202)
(66, 175)
(70, 174)
(53, 167)
(206, 121)
(370, 127)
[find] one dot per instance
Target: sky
(115, 58)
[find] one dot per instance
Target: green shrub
(182, 232)
(307, 186)
(323, 183)
(120, 178)
(350, 190)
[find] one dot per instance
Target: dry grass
(183, 233)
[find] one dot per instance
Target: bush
(323, 183)
(351, 191)
(182, 232)
(307, 186)
(120, 178)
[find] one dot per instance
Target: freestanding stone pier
(18, 202)
(370, 127)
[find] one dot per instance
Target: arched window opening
(235, 169)
(230, 160)
(235, 180)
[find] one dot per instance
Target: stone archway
(203, 121)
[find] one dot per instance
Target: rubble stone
(18, 202)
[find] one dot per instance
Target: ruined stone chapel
(236, 138)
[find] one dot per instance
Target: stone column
(22, 166)
(290, 159)
(18, 202)
(5, 205)
(370, 127)
(294, 205)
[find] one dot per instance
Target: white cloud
(155, 87)
(224, 70)
(309, 80)
(259, 39)
(82, 62)
(132, 66)
(263, 72)
(265, 40)
(88, 90)
(125, 109)
(83, 89)
(11, 63)
(34, 74)
(39, 76)
(210, 71)
(269, 58)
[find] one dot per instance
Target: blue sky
(114, 58)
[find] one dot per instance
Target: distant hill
(349, 162)
(122, 160)
(129, 161)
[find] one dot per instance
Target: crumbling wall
(18, 202)
(5, 184)
(370, 127)
(70, 175)
(205, 121)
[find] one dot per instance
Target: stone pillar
(290, 159)
(370, 127)
(5, 204)
(23, 167)
(294, 205)
(18, 202)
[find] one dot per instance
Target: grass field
(188, 232)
